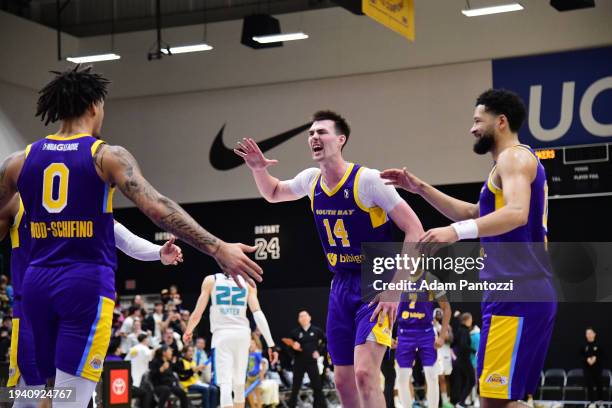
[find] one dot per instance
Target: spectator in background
(127, 327)
(139, 357)
(163, 379)
(201, 357)
(172, 340)
(592, 356)
(174, 321)
(5, 301)
(7, 321)
(255, 374)
(156, 322)
(165, 296)
(185, 314)
(189, 376)
(114, 352)
(474, 343)
(132, 338)
(5, 343)
(4, 283)
(307, 345)
(462, 377)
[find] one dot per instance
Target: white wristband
(466, 229)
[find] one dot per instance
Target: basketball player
(445, 362)
(351, 205)
(416, 335)
(231, 332)
(66, 182)
(512, 208)
(22, 364)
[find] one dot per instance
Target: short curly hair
(504, 102)
(340, 124)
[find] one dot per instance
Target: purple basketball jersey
(69, 207)
(343, 222)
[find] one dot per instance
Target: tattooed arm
(117, 166)
(9, 173)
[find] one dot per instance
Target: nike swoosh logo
(222, 158)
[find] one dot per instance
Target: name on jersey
(62, 147)
(62, 229)
(233, 311)
(334, 212)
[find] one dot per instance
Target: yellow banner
(398, 15)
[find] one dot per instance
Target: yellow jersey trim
(92, 359)
(382, 333)
(14, 230)
(500, 356)
(60, 138)
(497, 192)
(378, 216)
(27, 150)
(95, 146)
(312, 191)
(528, 149)
(333, 191)
(14, 373)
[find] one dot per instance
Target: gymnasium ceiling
(83, 18)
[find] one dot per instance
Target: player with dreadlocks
(66, 182)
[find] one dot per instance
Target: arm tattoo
(164, 212)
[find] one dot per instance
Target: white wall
(18, 127)
(419, 118)
(409, 103)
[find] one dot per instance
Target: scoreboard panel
(574, 171)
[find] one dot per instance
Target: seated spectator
(189, 375)
(163, 378)
(254, 375)
(156, 322)
(114, 352)
(127, 326)
(270, 385)
(201, 357)
(132, 338)
(139, 357)
(172, 340)
(5, 343)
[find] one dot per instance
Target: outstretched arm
(452, 208)
(117, 166)
(270, 188)
(196, 316)
(517, 169)
(139, 248)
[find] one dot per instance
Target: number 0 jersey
(69, 206)
(228, 304)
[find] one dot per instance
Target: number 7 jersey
(228, 304)
(69, 206)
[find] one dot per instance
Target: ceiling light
(94, 58)
(482, 11)
(266, 39)
(186, 48)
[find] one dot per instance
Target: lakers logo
(12, 372)
(96, 362)
(497, 380)
(332, 258)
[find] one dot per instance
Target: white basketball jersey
(228, 304)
